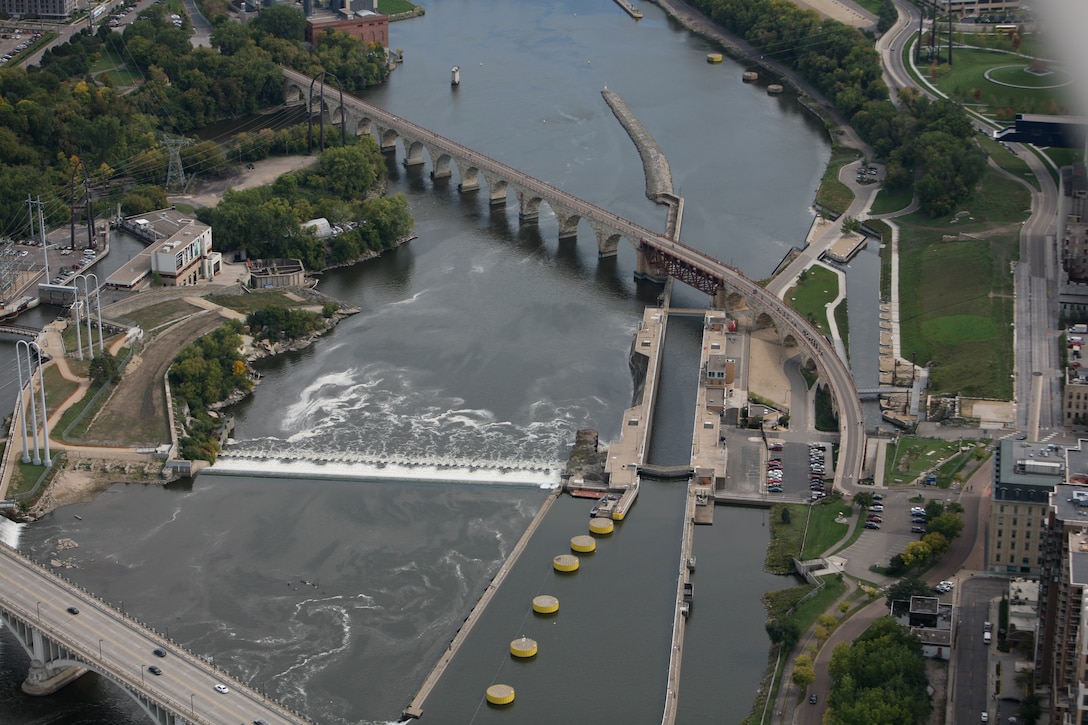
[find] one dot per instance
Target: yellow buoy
(583, 544)
(500, 694)
(565, 562)
(713, 57)
(601, 526)
(545, 604)
(523, 647)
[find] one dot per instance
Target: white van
(987, 638)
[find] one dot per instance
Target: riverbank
(740, 50)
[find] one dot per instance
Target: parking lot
(14, 41)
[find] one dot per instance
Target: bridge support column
(496, 190)
(648, 272)
(45, 680)
(721, 299)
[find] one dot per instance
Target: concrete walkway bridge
(31, 333)
(67, 632)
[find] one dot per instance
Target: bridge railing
(122, 676)
(108, 608)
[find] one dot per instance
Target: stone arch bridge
(658, 255)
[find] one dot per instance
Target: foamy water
(9, 532)
(373, 470)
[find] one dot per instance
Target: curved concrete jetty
(656, 166)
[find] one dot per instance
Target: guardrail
(122, 675)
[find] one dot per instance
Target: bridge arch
(53, 665)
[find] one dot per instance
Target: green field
(956, 295)
(833, 195)
(909, 457)
(966, 81)
(817, 287)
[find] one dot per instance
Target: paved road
(121, 648)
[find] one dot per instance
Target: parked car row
(816, 471)
(774, 475)
(20, 47)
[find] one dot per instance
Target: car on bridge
(159, 652)
(222, 689)
(154, 670)
(72, 610)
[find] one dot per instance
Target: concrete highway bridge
(658, 255)
(68, 631)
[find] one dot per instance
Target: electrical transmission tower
(175, 174)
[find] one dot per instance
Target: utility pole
(175, 174)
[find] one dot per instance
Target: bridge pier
(43, 679)
(648, 272)
(528, 207)
(496, 189)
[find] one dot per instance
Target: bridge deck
(35, 601)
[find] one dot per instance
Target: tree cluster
(265, 221)
(281, 323)
(205, 372)
(278, 32)
(932, 141)
(60, 122)
(879, 678)
(104, 368)
(944, 524)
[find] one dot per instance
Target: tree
(904, 589)
(949, 525)
(804, 674)
(104, 368)
(784, 633)
(863, 499)
(880, 678)
(281, 21)
(937, 544)
(917, 554)
(785, 516)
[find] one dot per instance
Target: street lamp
(141, 668)
(100, 649)
(39, 607)
(192, 707)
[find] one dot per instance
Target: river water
(478, 341)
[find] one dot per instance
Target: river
(482, 341)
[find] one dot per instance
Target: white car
(222, 689)
(877, 508)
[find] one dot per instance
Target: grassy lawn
(108, 59)
(842, 321)
(955, 286)
(57, 389)
(122, 77)
(834, 195)
(818, 286)
(811, 525)
(824, 532)
(246, 303)
(72, 413)
(966, 82)
(910, 457)
(393, 7)
(1008, 161)
(159, 314)
(887, 202)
